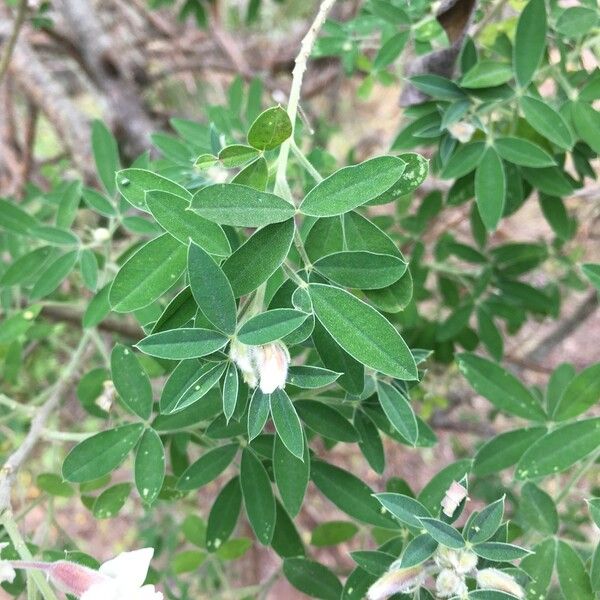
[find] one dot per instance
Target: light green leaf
(592, 272)
(240, 205)
(149, 466)
(530, 41)
(171, 212)
(270, 129)
(101, 453)
(326, 421)
(258, 413)
(559, 449)
(134, 183)
(258, 496)
(443, 533)
(499, 551)
(537, 510)
(270, 326)
(333, 533)
(255, 175)
(106, 155)
(15, 219)
(211, 289)
(547, 121)
(582, 392)
(501, 388)
(287, 424)
(352, 186)
(522, 152)
(53, 275)
(236, 155)
(179, 344)
(148, 274)
(487, 73)
(111, 501)
(406, 509)
(398, 411)
(485, 523)
(362, 270)
(464, 160)
(362, 332)
(572, 576)
(259, 257)
(490, 189)
(587, 123)
(415, 173)
(312, 578)
(230, 391)
(131, 381)
(208, 467)
(291, 475)
(308, 377)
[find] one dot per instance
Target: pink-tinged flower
(121, 578)
(455, 494)
(396, 581)
(494, 579)
(7, 572)
(272, 363)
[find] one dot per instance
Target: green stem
(18, 542)
(305, 162)
(577, 475)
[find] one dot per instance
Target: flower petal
(129, 567)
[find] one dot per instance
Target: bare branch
(12, 40)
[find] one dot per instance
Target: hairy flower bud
(462, 131)
(494, 579)
(449, 584)
(242, 356)
(396, 581)
(272, 363)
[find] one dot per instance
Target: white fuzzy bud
(494, 579)
(272, 363)
(462, 131)
(455, 494)
(101, 234)
(449, 584)
(396, 581)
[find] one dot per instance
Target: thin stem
(12, 40)
(20, 546)
(281, 184)
(305, 162)
(577, 475)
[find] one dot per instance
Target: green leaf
(489, 334)
(572, 576)
(489, 595)
(255, 175)
(418, 550)
(97, 309)
(269, 326)
(443, 533)
(106, 155)
(375, 562)
(352, 186)
(240, 205)
(258, 496)
(26, 266)
(18, 324)
(559, 449)
(501, 388)
(490, 189)
(211, 289)
(179, 344)
(187, 561)
(287, 424)
(258, 413)
(179, 312)
(530, 41)
(464, 160)
(131, 381)
(270, 129)
(362, 270)
(89, 269)
(505, 450)
(437, 87)
(134, 183)
(581, 393)
(54, 485)
(230, 391)
(499, 551)
(53, 275)
(390, 50)
(182, 387)
(149, 466)
(111, 501)
(223, 515)
(415, 173)
(487, 73)
(587, 123)
(362, 332)
(547, 121)
(98, 202)
(259, 257)
(369, 442)
(333, 533)
(559, 380)
(292, 475)
(485, 523)
(236, 155)
(522, 152)
(172, 213)
(537, 510)
(312, 578)
(398, 411)
(406, 509)
(148, 274)
(208, 467)
(326, 421)
(576, 21)
(350, 494)
(592, 272)
(431, 495)
(15, 219)
(308, 377)
(539, 566)
(54, 235)
(101, 453)
(556, 214)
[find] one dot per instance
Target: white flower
(455, 494)
(467, 561)
(449, 583)
(272, 363)
(462, 131)
(461, 561)
(242, 356)
(395, 581)
(101, 234)
(124, 578)
(494, 579)
(7, 572)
